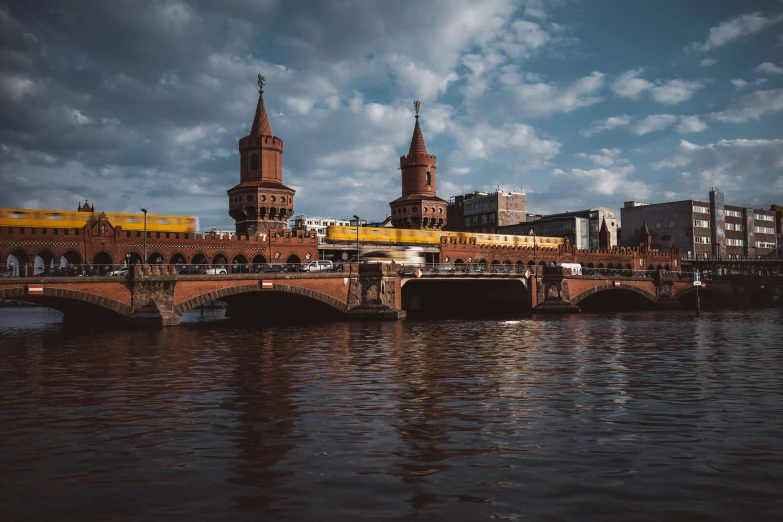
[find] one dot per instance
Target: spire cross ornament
(417, 106)
(261, 82)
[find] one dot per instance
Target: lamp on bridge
(533, 233)
(357, 237)
(144, 262)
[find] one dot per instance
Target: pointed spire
(261, 125)
(417, 142)
(645, 230)
(604, 228)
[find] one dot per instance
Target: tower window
(253, 161)
(429, 178)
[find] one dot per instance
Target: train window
(373, 231)
(132, 219)
(17, 215)
(55, 216)
(163, 221)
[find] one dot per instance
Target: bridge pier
(552, 293)
(376, 294)
(152, 303)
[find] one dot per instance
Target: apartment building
(485, 211)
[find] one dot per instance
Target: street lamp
(533, 233)
(357, 237)
(144, 261)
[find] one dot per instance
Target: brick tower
(260, 202)
(418, 207)
(604, 237)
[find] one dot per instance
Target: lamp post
(144, 261)
(357, 237)
(533, 233)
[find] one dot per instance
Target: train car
(402, 236)
(33, 218)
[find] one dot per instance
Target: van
(318, 266)
(575, 268)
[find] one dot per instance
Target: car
(318, 266)
(273, 268)
(192, 270)
(216, 270)
(123, 271)
(500, 269)
(445, 268)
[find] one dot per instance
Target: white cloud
(733, 29)
(689, 124)
(604, 158)
(739, 83)
(654, 123)
(628, 85)
(742, 167)
(610, 123)
(708, 62)
(421, 81)
(672, 92)
(538, 99)
(751, 106)
(769, 68)
(483, 139)
(675, 91)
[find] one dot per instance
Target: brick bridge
(158, 297)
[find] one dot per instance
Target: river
(645, 416)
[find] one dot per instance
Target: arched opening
(650, 268)
(428, 177)
(254, 161)
(178, 259)
(482, 263)
(259, 260)
(465, 298)
(155, 258)
(600, 266)
(277, 307)
(667, 268)
(199, 259)
(615, 300)
(43, 263)
(459, 264)
(530, 263)
(19, 263)
(590, 266)
(239, 265)
(494, 263)
(709, 299)
(520, 267)
(610, 266)
(294, 261)
(219, 259)
(71, 258)
(103, 262)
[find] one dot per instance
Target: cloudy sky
(577, 103)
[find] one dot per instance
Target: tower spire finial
(417, 106)
(261, 82)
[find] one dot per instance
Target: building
(319, 224)
(260, 202)
(485, 211)
(582, 227)
(702, 229)
(418, 207)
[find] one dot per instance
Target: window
(701, 224)
(734, 226)
(253, 161)
(429, 178)
(764, 230)
(702, 239)
(762, 244)
(733, 213)
(701, 210)
(65, 232)
(763, 217)
(735, 242)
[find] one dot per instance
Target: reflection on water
(652, 416)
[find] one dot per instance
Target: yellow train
(402, 236)
(24, 217)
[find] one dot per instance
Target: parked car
(318, 266)
(123, 271)
(272, 268)
(500, 269)
(216, 270)
(192, 270)
(445, 268)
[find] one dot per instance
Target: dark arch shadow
(610, 298)
(76, 306)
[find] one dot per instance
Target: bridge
(156, 295)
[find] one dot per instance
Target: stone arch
(76, 295)
(610, 266)
(43, 262)
(244, 289)
(494, 262)
(650, 268)
(530, 263)
(178, 259)
(103, 262)
(20, 262)
(70, 257)
(239, 265)
(239, 258)
(520, 267)
(155, 258)
(199, 258)
(667, 268)
(459, 264)
(621, 286)
(590, 265)
(259, 260)
(483, 262)
(220, 259)
(293, 259)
